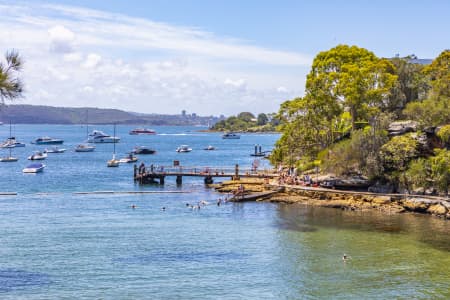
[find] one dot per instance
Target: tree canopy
(11, 86)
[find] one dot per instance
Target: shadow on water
(424, 228)
(166, 257)
(12, 279)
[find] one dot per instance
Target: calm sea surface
(55, 244)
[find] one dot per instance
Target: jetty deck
(158, 174)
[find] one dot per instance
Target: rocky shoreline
(349, 200)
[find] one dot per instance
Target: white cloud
(240, 83)
(92, 60)
(61, 39)
(282, 89)
(73, 57)
(111, 60)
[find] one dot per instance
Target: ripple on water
(12, 279)
(199, 256)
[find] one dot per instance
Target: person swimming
(345, 257)
(133, 206)
(163, 208)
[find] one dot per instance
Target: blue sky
(208, 57)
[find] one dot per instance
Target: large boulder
(437, 209)
(402, 127)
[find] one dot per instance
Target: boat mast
(87, 124)
(114, 142)
(10, 138)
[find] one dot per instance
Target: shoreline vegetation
(246, 122)
(382, 121)
(378, 127)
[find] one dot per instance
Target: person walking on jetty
(142, 168)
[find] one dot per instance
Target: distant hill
(37, 114)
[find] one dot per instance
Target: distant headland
(39, 114)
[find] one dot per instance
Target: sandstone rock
(382, 199)
(402, 127)
(437, 209)
(415, 205)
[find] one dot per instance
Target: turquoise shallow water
(58, 245)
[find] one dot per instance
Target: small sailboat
(9, 158)
(113, 162)
(85, 147)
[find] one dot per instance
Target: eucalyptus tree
(435, 109)
(346, 85)
(353, 78)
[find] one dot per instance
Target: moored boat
(113, 162)
(34, 168)
(139, 131)
(37, 155)
(183, 149)
(54, 149)
(98, 136)
(143, 150)
(45, 140)
(84, 148)
(231, 136)
(11, 142)
(9, 159)
(129, 159)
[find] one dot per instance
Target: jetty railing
(153, 172)
(206, 170)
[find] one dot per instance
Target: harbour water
(55, 244)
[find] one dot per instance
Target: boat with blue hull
(46, 140)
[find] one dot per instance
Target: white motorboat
(129, 159)
(231, 136)
(54, 149)
(37, 155)
(98, 136)
(84, 148)
(184, 149)
(34, 168)
(209, 148)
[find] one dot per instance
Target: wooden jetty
(152, 174)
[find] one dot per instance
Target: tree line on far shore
(248, 122)
(351, 97)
